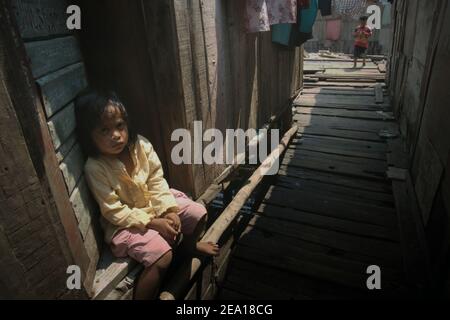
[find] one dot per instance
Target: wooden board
(62, 125)
(34, 20)
(72, 167)
(85, 207)
(110, 272)
(350, 102)
(336, 191)
(382, 67)
(259, 287)
(50, 55)
(415, 252)
(397, 154)
(307, 120)
(349, 74)
(324, 131)
(43, 18)
(328, 222)
(65, 148)
(297, 260)
(257, 237)
(348, 83)
(344, 113)
(291, 284)
(379, 94)
(351, 166)
(428, 171)
(296, 153)
(335, 179)
(341, 144)
(341, 208)
(60, 87)
(339, 91)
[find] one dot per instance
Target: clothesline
(351, 8)
(291, 21)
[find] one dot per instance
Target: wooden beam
(379, 97)
(416, 260)
(188, 270)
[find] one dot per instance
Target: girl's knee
(165, 260)
(197, 210)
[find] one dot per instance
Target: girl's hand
(164, 227)
(175, 219)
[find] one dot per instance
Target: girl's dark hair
(363, 18)
(89, 108)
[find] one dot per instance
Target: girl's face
(111, 136)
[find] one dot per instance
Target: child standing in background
(362, 34)
(142, 218)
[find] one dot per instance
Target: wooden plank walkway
(330, 212)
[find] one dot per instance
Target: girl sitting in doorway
(142, 218)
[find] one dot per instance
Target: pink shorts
(148, 246)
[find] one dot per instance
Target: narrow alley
(331, 211)
(225, 149)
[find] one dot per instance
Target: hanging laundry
(260, 14)
(386, 17)
(307, 17)
(333, 29)
(296, 34)
(325, 7)
(303, 4)
(281, 33)
(299, 38)
(350, 8)
(288, 34)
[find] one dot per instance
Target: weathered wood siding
(36, 239)
(179, 61)
(419, 83)
(58, 70)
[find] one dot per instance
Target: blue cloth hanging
(325, 7)
(281, 33)
(307, 17)
(296, 34)
(288, 34)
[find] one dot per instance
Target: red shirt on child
(362, 36)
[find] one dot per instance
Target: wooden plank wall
(192, 61)
(248, 78)
(241, 79)
(34, 250)
(58, 70)
(420, 75)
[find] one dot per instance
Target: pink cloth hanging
(261, 14)
(333, 29)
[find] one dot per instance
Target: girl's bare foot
(207, 248)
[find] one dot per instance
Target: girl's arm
(161, 198)
(111, 207)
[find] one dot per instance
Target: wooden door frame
(28, 106)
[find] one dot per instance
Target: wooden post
(188, 270)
